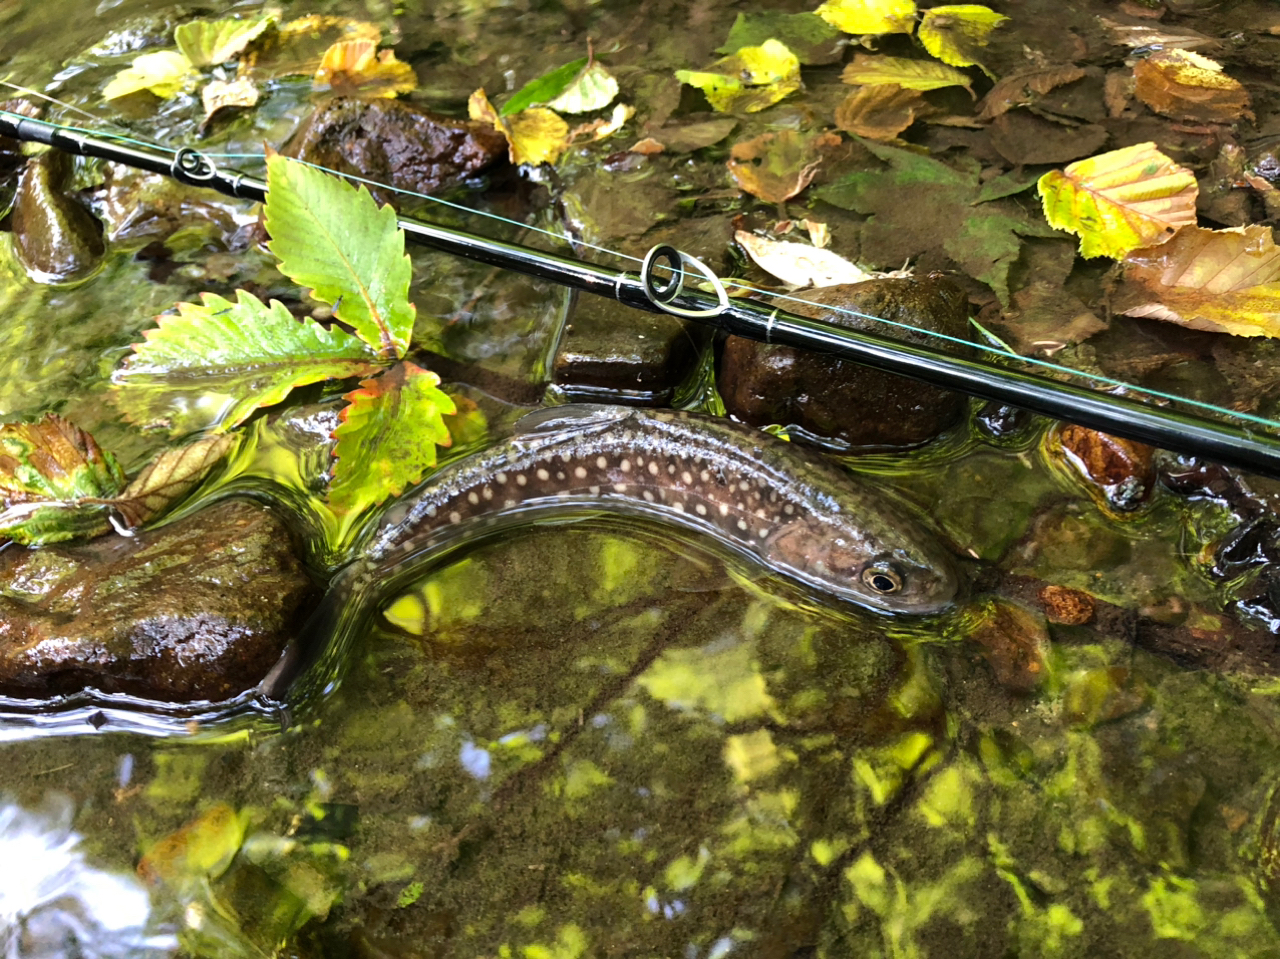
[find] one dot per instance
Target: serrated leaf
(357, 67)
(1187, 86)
(908, 74)
(777, 166)
(169, 477)
(337, 241)
(808, 36)
(879, 112)
(593, 89)
(166, 74)
(863, 17)
(207, 43)
(536, 135)
(1120, 201)
(215, 362)
(388, 436)
(544, 89)
(750, 80)
(955, 33)
(799, 264)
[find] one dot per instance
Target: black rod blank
(1244, 447)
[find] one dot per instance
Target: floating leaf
(909, 74)
(777, 166)
(351, 67)
(536, 135)
(388, 436)
(750, 80)
(1219, 280)
(166, 74)
(955, 33)
(1020, 88)
(807, 35)
(1120, 201)
(207, 43)
(879, 112)
(219, 95)
(544, 89)
(1187, 86)
(169, 477)
(593, 89)
(861, 17)
(799, 264)
(46, 469)
(215, 362)
(336, 240)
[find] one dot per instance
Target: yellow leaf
(953, 33)
(869, 16)
(166, 74)
(1185, 85)
(219, 94)
(1219, 280)
(799, 264)
(750, 80)
(1120, 201)
(356, 66)
(908, 74)
(536, 135)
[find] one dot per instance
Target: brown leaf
(1187, 86)
(1025, 139)
(1219, 280)
(1070, 607)
(1117, 92)
(879, 112)
(777, 166)
(169, 477)
(687, 137)
(1020, 88)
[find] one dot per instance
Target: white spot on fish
(705, 476)
(580, 472)
(594, 490)
(625, 466)
(671, 469)
(473, 498)
(678, 506)
(560, 475)
(788, 508)
(700, 509)
(648, 495)
(742, 524)
(687, 477)
(543, 475)
(744, 486)
(620, 487)
(431, 510)
(509, 503)
(653, 467)
(500, 476)
(724, 509)
(521, 479)
(602, 463)
(487, 493)
(455, 517)
(763, 533)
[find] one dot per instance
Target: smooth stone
(199, 609)
(840, 401)
(57, 240)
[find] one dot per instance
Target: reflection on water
(53, 903)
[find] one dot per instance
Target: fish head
(900, 570)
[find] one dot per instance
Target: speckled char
(793, 512)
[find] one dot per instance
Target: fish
(778, 505)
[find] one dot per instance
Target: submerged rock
(1119, 472)
(56, 238)
(197, 610)
(839, 400)
(397, 143)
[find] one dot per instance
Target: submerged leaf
(207, 43)
(336, 240)
(777, 166)
(215, 362)
(166, 74)
(351, 67)
(808, 36)
(1218, 280)
(908, 74)
(749, 80)
(169, 477)
(1019, 89)
(1120, 201)
(861, 17)
(799, 264)
(297, 46)
(879, 112)
(388, 436)
(955, 33)
(1187, 86)
(199, 851)
(593, 89)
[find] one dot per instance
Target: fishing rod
(658, 287)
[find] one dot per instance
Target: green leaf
(388, 436)
(593, 89)
(166, 73)
(207, 43)
(215, 362)
(544, 89)
(807, 35)
(337, 241)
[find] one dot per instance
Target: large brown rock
(197, 610)
(842, 401)
(397, 143)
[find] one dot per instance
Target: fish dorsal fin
(576, 417)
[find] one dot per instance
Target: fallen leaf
(954, 34)
(687, 137)
(545, 88)
(808, 36)
(879, 112)
(604, 126)
(1120, 201)
(207, 43)
(799, 264)
(351, 67)
(1218, 280)
(1025, 139)
(199, 851)
(1021, 88)
(1156, 38)
(221, 95)
(534, 136)
(865, 17)
(909, 74)
(648, 147)
(592, 89)
(1187, 86)
(749, 80)
(297, 46)
(1117, 92)
(776, 166)
(169, 477)
(166, 74)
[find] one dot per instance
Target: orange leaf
(777, 166)
(879, 112)
(1219, 280)
(1187, 86)
(355, 66)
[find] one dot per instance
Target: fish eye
(882, 579)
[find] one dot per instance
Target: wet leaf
(749, 80)
(1120, 201)
(862, 17)
(352, 67)
(808, 36)
(297, 46)
(687, 137)
(1187, 86)
(207, 43)
(954, 34)
(336, 240)
(908, 74)
(1219, 280)
(536, 135)
(388, 436)
(879, 112)
(169, 477)
(1119, 473)
(593, 89)
(219, 95)
(544, 89)
(215, 362)
(1020, 88)
(777, 166)
(799, 264)
(199, 851)
(166, 74)
(604, 126)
